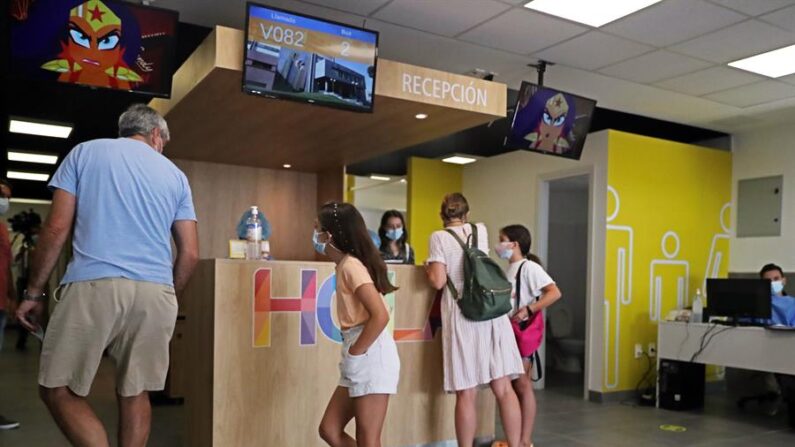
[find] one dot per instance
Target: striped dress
(475, 352)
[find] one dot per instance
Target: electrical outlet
(652, 350)
(638, 350)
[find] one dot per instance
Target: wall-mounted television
(550, 121)
(98, 43)
(303, 58)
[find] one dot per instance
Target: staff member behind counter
(393, 234)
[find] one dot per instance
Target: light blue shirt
(783, 310)
(128, 197)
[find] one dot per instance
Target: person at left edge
(125, 201)
(6, 283)
(370, 366)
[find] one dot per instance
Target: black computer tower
(681, 385)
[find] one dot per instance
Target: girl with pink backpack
(533, 291)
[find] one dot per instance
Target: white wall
(504, 190)
(762, 153)
(373, 197)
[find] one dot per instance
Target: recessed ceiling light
(775, 64)
(32, 157)
(402, 180)
(39, 128)
(287, 166)
(380, 177)
(459, 160)
(421, 116)
(34, 176)
(589, 12)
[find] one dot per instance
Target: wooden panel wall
(276, 395)
(221, 193)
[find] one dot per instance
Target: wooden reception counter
(263, 347)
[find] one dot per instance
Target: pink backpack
(529, 333)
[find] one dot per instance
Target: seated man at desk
(782, 305)
(768, 389)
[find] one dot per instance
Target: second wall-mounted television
(550, 121)
(98, 43)
(303, 58)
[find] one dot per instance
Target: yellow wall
(428, 182)
(666, 192)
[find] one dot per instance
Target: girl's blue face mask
(320, 247)
(394, 234)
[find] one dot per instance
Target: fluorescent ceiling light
(589, 12)
(38, 128)
(380, 177)
(34, 176)
(30, 201)
(32, 157)
(459, 160)
(775, 64)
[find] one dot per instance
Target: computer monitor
(739, 298)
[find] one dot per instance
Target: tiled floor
(564, 420)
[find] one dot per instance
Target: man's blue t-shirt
(782, 310)
(128, 197)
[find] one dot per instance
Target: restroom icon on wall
(668, 279)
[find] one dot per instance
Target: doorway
(564, 236)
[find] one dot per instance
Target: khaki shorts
(133, 320)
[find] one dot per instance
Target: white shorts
(377, 371)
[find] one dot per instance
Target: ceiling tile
(754, 94)
(709, 81)
(673, 21)
(522, 31)
(784, 18)
(362, 7)
(736, 42)
(754, 7)
(593, 50)
(446, 17)
(788, 79)
(653, 67)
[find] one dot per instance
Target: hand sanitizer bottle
(697, 316)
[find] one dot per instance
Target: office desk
(743, 347)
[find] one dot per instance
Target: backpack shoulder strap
(458, 239)
(474, 235)
(519, 284)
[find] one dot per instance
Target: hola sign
(314, 307)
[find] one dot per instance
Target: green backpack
(487, 293)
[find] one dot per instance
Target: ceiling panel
(788, 79)
(401, 44)
(736, 42)
(673, 21)
(361, 7)
(784, 18)
(446, 17)
(654, 67)
(754, 7)
(709, 81)
(593, 50)
(754, 94)
(522, 31)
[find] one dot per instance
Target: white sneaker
(6, 424)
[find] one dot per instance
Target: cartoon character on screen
(93, 51)
(546, 122)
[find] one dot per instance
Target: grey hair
(140, 119)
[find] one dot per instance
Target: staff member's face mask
(776, 287)
(394, 234)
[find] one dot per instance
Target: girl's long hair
(521, 235)
(349, 235)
